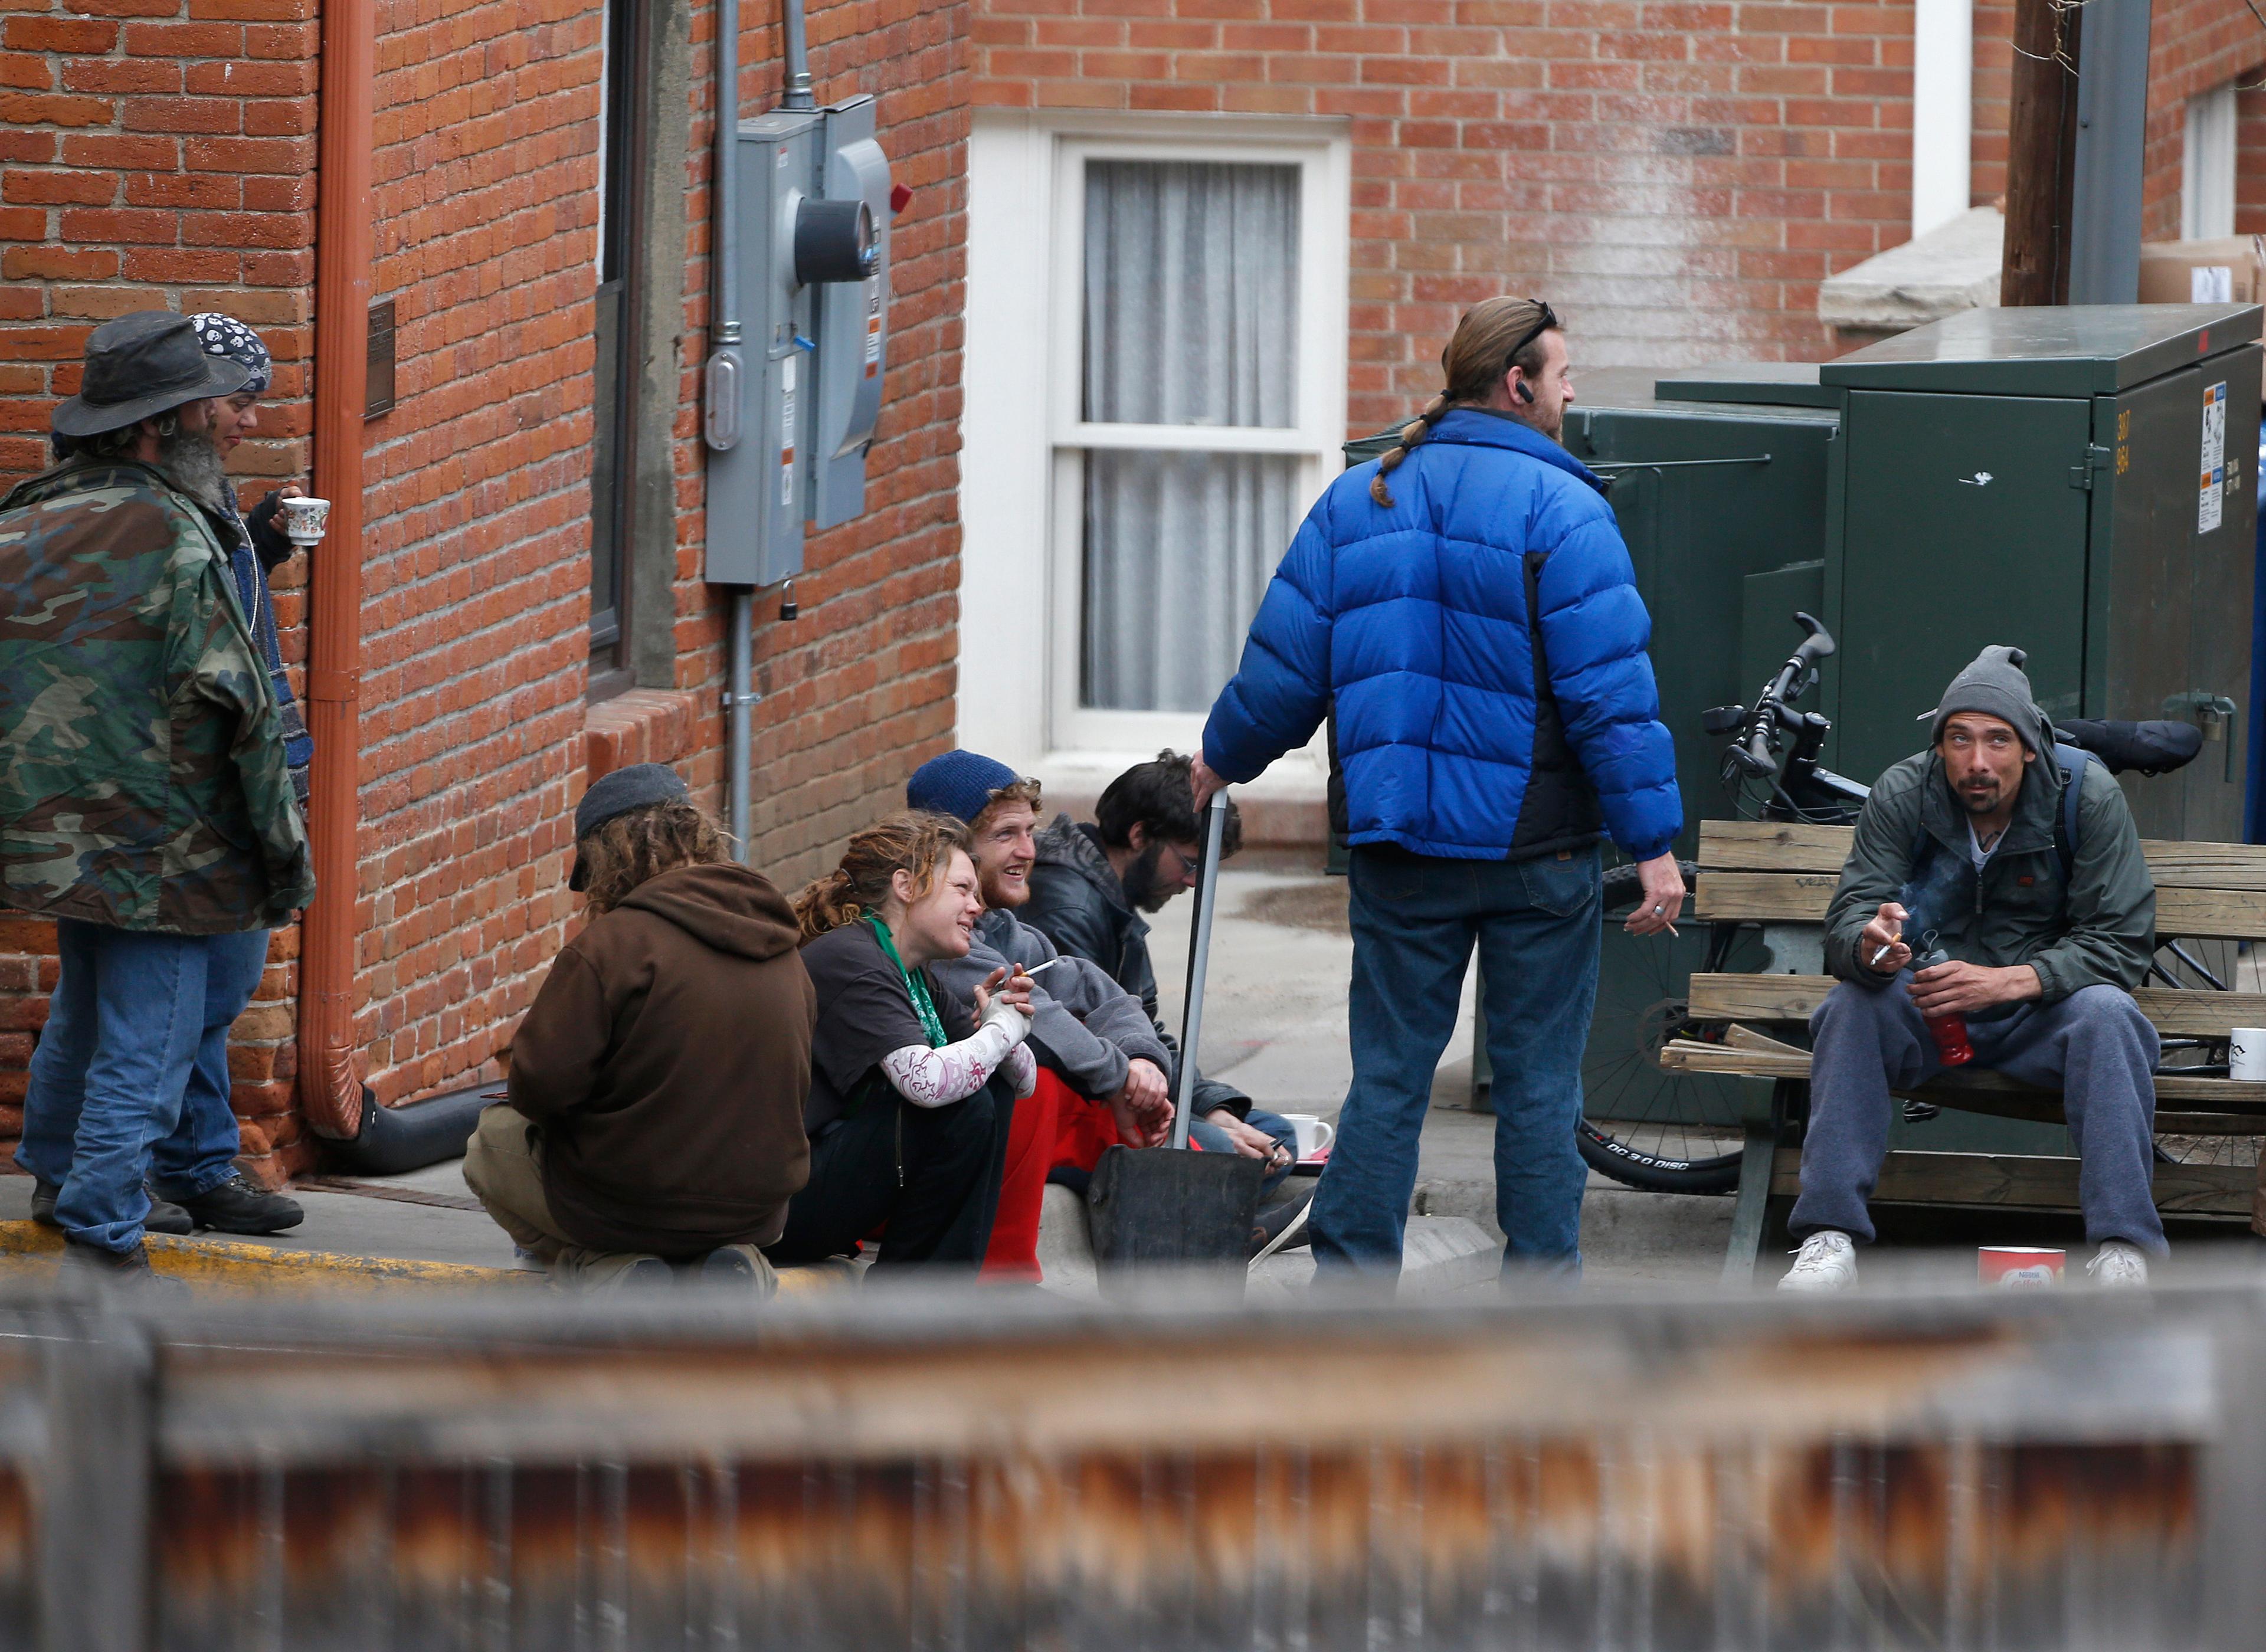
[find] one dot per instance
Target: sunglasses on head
(1549, 321)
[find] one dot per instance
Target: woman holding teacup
(262, 543)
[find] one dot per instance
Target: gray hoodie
(1084, 1025)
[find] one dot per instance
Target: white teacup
(1314, 1133)
(2246, 1054)
(304, 519)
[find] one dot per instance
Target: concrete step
(1441, 1254)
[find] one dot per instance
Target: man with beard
(1088, 889)
(146, 807)
(2048, 925)
(1090, 1037)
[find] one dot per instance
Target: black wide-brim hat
(141, 365)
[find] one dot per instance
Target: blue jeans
(1213, 1139)
(1414, 921)
(2095, 1045)
(131, 1074)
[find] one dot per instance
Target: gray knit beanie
(1995, 685)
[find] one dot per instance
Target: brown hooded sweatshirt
(664, 1064)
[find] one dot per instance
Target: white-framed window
(2207, 175)
(1155, 393)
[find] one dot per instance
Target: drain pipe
(796, 94)
(720, 405)
(331, 1095)
(722, 399)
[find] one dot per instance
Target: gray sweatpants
(2095, 1045)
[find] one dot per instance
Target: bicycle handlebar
(1752, 750)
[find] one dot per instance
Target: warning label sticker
(873, 327)
(2214, 457)
(787, 431)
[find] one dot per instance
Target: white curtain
(1191, 319)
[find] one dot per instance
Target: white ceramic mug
(2246, 1054)
(1314, 1133)
(304, 519)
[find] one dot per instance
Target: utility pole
(2041, 153)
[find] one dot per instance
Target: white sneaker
(1827, 1260)
(2118, 1266)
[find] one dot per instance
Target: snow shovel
(1175, 1207)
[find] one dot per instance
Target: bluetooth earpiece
(1525, 391)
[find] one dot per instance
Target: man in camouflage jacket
(145, 805)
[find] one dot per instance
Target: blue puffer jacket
(1415, 621)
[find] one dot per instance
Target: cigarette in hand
(1041, 969)
(1883, 953)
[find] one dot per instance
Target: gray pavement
(1275, 1025)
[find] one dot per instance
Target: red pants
(1013, 1252)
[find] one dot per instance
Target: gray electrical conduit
(739, 693)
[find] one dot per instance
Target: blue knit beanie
(959, 784)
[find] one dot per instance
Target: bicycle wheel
(2204, 966)
(1643, 1125)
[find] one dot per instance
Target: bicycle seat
(2152, 748)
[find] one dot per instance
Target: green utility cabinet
(1721, 502)
(2072, 481)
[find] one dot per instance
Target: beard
(189, 458)
(1144, 891)
(998, 891)
(1982, 800)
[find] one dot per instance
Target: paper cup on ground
(304, 519)
(2246, 1054)
(2020, 1267)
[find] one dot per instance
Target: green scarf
(916, 986)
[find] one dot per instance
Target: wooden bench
(1781, 877)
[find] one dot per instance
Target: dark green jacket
(142, 783)
(2099, 932)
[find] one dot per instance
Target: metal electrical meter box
(812, 216)
(2069, 481)
(852, 323)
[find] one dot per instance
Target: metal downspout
(739, 693)
(724, 370)
(330, 1088)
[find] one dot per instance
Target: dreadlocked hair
(1473, 363)
(643, 843)
(915, 842)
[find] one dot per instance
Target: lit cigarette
(1044, 967)
(1883, 953)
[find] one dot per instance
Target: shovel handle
(1199, 954)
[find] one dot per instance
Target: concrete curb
(29, 1250)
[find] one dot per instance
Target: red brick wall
(475, 588)
(121, 191)
(2194, 46)
(1676, 178)
(859, 690)
(157, 154)
(2250, 159)
(1993, 86)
